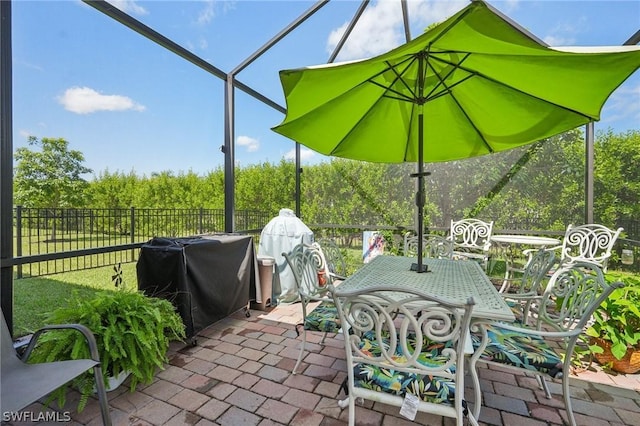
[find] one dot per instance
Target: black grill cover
(206, 278)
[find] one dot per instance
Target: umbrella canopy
(473, 85)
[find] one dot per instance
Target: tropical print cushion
(464, 255)
(323, 318)
(427, 388)
(519, 350)
(516, 308)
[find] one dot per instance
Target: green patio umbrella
(475, 84)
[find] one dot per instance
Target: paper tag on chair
(409, 407)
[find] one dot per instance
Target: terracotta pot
(629, 364)
(322, 279)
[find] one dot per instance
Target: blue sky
(130, 105)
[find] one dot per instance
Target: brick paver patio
(239, 374)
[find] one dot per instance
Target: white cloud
(207, 13)
(624, 104)
(380, 28)
(554, 40)
(25, 133)
(374, 33)
(129, 6)
(84, 100)
(564, 33)
(305, 154)
(250, 143)
(424, 13)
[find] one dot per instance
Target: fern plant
(132, 331)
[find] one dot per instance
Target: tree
(50, 177)
(267, 187)
(617, 178)
(113, 190)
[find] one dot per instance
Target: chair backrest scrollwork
(310, 272)
(589, 243)
(433, 246)
(572, 295)
(472, 234)
(336, 264)
(535, 271)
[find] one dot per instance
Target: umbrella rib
(400, 96)
(448, 89)
(398, 76)
(500, 83)
(442, 79)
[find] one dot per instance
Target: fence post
(19, 238)
(201, 221)
(132, 229)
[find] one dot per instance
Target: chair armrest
(336, 276)
(555, 247)
(88, 335)
(539, 333)
(521, 296)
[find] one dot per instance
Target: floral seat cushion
(428, 388)
(323, 318)
(519, 350)
(516, 308)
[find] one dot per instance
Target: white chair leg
(506, 282)
(477, 392)
(473, 369)
(324, 337)
(543, 385)
(352, 411)
(471, 419)
(567, 400)
(343, 403)
(304, 341)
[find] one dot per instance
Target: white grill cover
(281, 235)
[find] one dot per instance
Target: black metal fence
(40, 235)
(50, 241)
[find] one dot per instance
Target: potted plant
(615, 332)
(132, 331)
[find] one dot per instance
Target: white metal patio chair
(588, 243)
(404, 344)
(573, 293)
(336, 265)
(434, 246)
(522, 293)
(23, 384)
(472, 240)
(310, 272)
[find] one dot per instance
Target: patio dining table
(453, 280)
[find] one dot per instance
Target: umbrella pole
(420, 199)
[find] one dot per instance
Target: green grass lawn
(34, 298)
